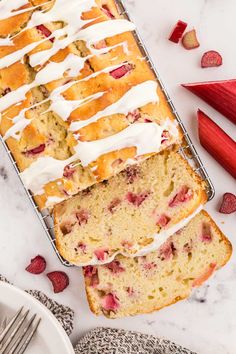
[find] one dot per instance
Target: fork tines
(16, 336)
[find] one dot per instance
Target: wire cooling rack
(188, 150)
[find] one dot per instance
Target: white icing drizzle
(158, 240)
(145, 136)
(90, 35)
(138, 96)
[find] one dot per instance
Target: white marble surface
(205, 323)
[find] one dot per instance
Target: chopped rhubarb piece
(134, 116)
(37, 265)
(211, 59)
(221, 95)
(217, 143)
(68, 171)
(115, 267)
(165, 136)
(45, 31)
(130, 291)
(206, 235)
(149, 266)
(82, 217)
(190, 40)
(36, 150)
(200, 280)
(163, 220)
(59, 280)
(82, 247)
(178, 31)
(107, 11)
(184, 195)
(121, 71)
(101, 254)
(137, 199)
(132, 173)
(228, 205)
(166, 250)
(91, 273)
(114, 204)
(110, 302)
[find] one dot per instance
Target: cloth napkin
(108, 340)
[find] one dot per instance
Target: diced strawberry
(184, 195)
(134, 116)
(221, 95)
(178, 31)
(137, 199)
(132, 173)
(66, 227)
(101, 254)
(211, 59)
(45, 31)
(59, 280)
(167, 250)
(121, 71)
(200, 280)
(68, 171)
(107, 11)
(115, 267)
(217, 143)
(37, 265)
(163, 220)
(82, 216)
(190, 40)
(110, 302)
(228, 205)
(36, 150)
(91, 273)
(113, 205)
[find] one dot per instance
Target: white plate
(51, 337)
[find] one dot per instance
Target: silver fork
(18, 333)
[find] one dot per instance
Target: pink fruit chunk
(130, 291)
(121, 71)
(206, 235)
(211, 59)
(178, 31)
(59, 280)
(149, 266)
(167, 250)
(163, 220)
(45, 31)
(220, 145)
(134, 116)
(132, 174)
(36, 150)
(82, 247)
(110, 302)
(221, 95)
(190, 40)
(137, 199)
(101, 254)
(184, 195)
(82, 216)
(92, 273)
(36, 266)
(165, 136)
(228, 205)
(115, 267)
(68, 171)
(107, 11)
(113, 205)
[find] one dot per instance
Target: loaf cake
(131, 213)
(78, 101)
(131, 286)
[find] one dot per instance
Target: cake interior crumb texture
(131, 286)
